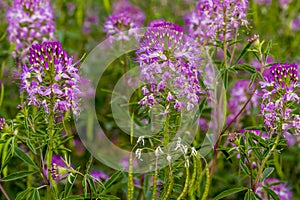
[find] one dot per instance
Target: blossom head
(59, 168)
(169, 58)
(279, 94)
(51, 75)
(132, 11)
(284, 75)
(29, 22)
(213, 20)
(117, 25)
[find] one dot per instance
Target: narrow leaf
(17, 175)
(229, 192)
(266, 173)
(24, 157)
(244, 51)
(272, 193)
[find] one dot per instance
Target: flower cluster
(59, 168)
(213, 20)
(168, 61)
(52, 79)
(132, 11)
(278, 187)
(125, 18)
(239, 95)
(279, 95)
(29, 22)
(117, 25)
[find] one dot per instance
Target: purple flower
(132, 11)
(90, 21)
(295, 24)
(99, 175)
(29, 22)
(2, 123)
(278, 187)
(279, 93)
(285, 3)
(211, 18)
(59, 168)
(117, 25)
(168, 61)
(52, 79)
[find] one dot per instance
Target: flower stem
(51, 146)
(4, 192)
(130, 184)
(264, 161)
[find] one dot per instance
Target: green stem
(130, 184)
(263, 163)
(278, 166)
(166, 131)
(50, 149)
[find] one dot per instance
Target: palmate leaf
(229, 192)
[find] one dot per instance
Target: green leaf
(17, 175)
(30, 146)
(246, 67)
(244, 51)
(266, 173)
(24, 157)
(245, 167)
(229, 192)
(109, 197)
(272, 193)
(35, 195)
(112, 179)
(250, 195)
(71, 180)
(24, 194)
(76, 197)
